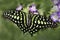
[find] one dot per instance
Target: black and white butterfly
(35, 23)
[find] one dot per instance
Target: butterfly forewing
(17, 17)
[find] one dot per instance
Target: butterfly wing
(17, 17)
(40, 22)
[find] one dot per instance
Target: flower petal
(33, 9)
(54, 17)
(55, 1)
(19, 7)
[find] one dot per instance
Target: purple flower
(19, 7)
(58, 5)
(33, 9)
(58, 13)
(56, 1)
(59, 20)
(55, 16)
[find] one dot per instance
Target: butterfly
(33, 24)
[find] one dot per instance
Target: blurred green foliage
(9, 31)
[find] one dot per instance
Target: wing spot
(44, 22)
(35, 21)
(18, 18)
(41, 22)
(14, 17)
(38, 21)
(37, 26)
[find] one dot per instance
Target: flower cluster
(56, 15)
(32, 8)
(55, 2)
